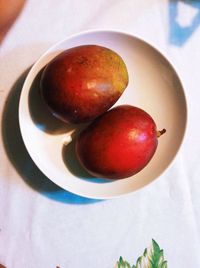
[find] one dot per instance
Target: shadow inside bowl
(40, 113)
(71, 161)
(47, 122)
(20, 158)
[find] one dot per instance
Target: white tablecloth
(43, 226)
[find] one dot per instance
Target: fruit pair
(80, 85)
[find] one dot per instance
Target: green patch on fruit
(120, 84)
(152, 258)
(118, 69)
(120, 79)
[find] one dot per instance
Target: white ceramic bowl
(153, 86)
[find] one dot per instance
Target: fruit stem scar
(161, 132)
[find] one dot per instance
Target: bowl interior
(153, 86)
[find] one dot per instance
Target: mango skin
(118, 144)
(83, 82)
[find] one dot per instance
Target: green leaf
(122, 263)
(164, 265)
(157, 257)
(139, 262)
(152, 257)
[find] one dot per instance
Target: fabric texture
(42, 225)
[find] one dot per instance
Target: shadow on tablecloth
(19, 156)
(179, 32)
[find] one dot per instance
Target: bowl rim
(162, 54)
